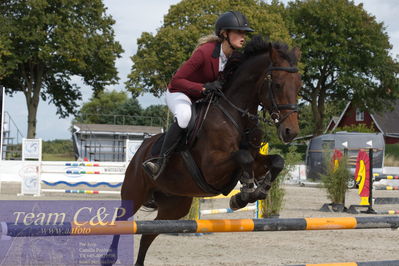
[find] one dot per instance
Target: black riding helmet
(232, 20)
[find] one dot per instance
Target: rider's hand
(211, 87)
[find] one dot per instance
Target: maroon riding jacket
(200, 68)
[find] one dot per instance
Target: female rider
(197, 77)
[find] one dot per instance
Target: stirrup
(154, 167)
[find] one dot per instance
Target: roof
(335, 120)
(388, 122)
(341, 116)
(121, 129)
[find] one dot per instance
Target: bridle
(275, 108)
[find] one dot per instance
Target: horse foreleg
(169, 208)
(267, 168)
(245, 159)
(133, 194)
(126, 211)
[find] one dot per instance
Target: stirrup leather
(154, 166)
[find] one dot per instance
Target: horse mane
(258, 45)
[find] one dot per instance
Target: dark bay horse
(266, 75)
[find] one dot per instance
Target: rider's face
(237, 38)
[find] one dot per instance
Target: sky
(132, 18)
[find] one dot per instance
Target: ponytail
(206, 39)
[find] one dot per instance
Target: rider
(197, 77)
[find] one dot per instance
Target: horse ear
(270, 49)
(297, 52)
(271, 52)
(274, 54)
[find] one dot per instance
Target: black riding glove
(211, 87)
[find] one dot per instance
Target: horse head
(266, 74)
(279, 89)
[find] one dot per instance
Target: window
(359, 115)
(328, 144)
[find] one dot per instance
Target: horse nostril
(287, 131)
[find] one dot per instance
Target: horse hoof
(260, 194)
(236, 202)
(109, 259)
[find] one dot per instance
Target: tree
(346, 56)
(6, 66)
(357, 128)
(113, 107)
(306, 121)
(159, 116)
(4, 51)
(159, 56)
(109, 108)
(52, 41)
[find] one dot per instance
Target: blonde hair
(206, 39)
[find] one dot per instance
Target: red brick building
(387, 123)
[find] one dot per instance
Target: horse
(264, 74)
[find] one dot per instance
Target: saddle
(198, 111)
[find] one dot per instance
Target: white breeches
(180, 105)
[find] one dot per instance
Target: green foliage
(392, 150)
(102, 108)
(58, 146)
(346, 55)
(275, 198)
(158, 111)
(58, 150)
(285, 149)
(307, 123)
(159, 56)
(49, 42)
(113, 107)
(13, 152)
(335, 181)
(356, 128)
(5, 65)
(292, 157)
(69, 156)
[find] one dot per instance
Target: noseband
(275, 108)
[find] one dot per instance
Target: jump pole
(224, 210)
(378, 177)
(387, 188)
(200, 226)
(227, 210)
(368, 263)
(77, 191)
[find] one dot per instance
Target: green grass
(58, 157)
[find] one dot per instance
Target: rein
(274, 110)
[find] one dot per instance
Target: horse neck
(243, 91)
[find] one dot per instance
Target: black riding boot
(155, 166)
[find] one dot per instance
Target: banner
(62, 232)
(337, 156)
(2, 96)
(362, 175)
